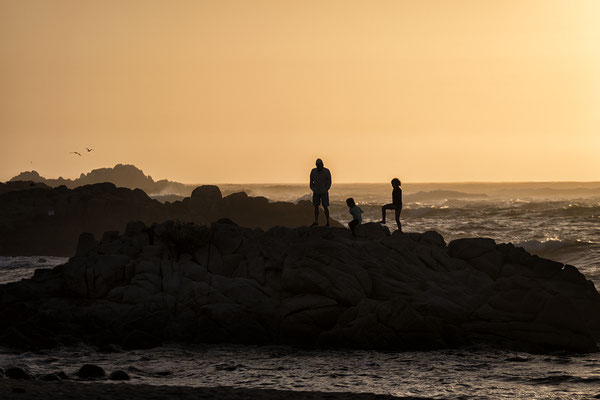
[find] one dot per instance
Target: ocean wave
(441, 195)
(16, 268)
(553, 245)
(576, 210)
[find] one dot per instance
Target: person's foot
(315, 223)
(382, 221)
(327, 224)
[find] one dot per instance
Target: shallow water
(481, 373)
(17, 268)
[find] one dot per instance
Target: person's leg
(315, 202)
(353, 225)
(325, 202)
(383, 210)
(398, 211)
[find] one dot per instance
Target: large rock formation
(310, 286)
(46, 221)
(123, 175)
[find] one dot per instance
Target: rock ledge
(310, 286)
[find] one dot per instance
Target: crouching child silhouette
(395, 205)
(356, 213)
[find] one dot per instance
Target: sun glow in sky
(254, 91)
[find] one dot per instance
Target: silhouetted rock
(118, 375)
(181, 282)
(123, 175)
(91, 371)
(13, 186)
(50, 221)
(62, 375)
(18, 373)
(208, 193)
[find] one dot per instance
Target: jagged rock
(121, 175)
(179, 282)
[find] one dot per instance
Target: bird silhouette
(75, 152)
(88, 150)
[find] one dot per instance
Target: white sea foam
(16, 268)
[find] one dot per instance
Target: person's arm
(328, 180)
(311, 180)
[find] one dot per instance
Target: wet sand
(39, 390)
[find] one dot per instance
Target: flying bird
(88, 150)
(75, 152)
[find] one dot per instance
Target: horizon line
(385, 182)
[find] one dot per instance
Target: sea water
(475, 373)
(559, 221)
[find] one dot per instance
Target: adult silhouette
(320, 182)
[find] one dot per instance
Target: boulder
(91, 371)
(372, 230)
(18, 373)
(118, 375)
(207, 193)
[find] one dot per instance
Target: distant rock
(222, 283)
(208, 193)
(122, 175)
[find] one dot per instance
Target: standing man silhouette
(320, 182)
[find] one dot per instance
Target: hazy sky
(253, 91)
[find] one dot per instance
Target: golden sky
(254, 91)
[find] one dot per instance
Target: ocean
(559, 221)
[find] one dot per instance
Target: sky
(254, 91)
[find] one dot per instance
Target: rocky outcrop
(309, 286)
(21, 185)
(48, 221)
(123, 175)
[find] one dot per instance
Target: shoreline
(36, 390)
